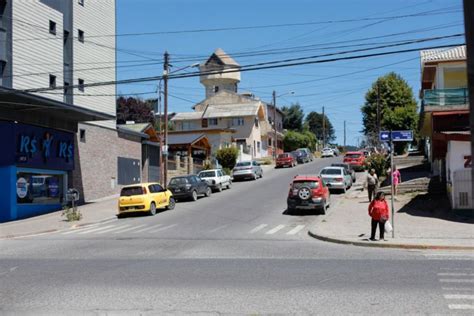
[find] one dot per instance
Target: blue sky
(338, 86)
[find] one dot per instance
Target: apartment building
(64, 136)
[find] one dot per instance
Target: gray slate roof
(231, 110)
(187, 116)
(184, 139)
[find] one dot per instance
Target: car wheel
(255, 177)
(171, 204)
(152, 208)
(208, 191)
(229, 185)
(219, 187)
(261, 175)
(194, 196)
(324, 208)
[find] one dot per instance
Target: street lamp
(274, 120)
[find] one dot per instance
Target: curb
(393, 246)
(48, 231)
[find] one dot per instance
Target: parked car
(285, 160)
(144, 197)
(308, 152)
(247, 170)
(308, 192)
(356, 159)
(327, 152)
(348, 168)
(189, 187)
(336, 151)
(336, 178)
(216, 179)
(302, 156)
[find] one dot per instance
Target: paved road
(235, 252)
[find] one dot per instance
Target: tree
(293, 117)
(398, 108)
(227, 157)
(314, 123)
(134, 109)
(294, 140)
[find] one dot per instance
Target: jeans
(371, 191)
(374, 228)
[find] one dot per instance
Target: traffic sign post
(394, 136)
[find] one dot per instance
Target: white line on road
(112, 229)
(78, 229)
(128, 229)
(274, 230)
(163, 228)
(455, 274)
(458, 297)
(218, 228)
(457, 280)
(460, 306)
(457, 269)
(87, 231)
(147, 228)
(259, 227)
(295, 230)
(458, 289)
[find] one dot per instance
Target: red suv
(308, 193)
(356, 159)
(285, 160)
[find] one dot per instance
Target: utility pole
(324, 130)
(469, 31)
(160, 126)
(378, 112)
(165, 101)
(392, 188)
(275, 145)
(344, 135)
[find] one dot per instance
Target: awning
(445, 113)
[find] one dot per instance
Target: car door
(152, 194)
(220, 177)
(202, 185)
(160, 193)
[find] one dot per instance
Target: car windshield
(309, 184)
(177, 181)
(330, 171)
(129, 191)
(243, 164)
(207, 174)
(352, 156)
(283, 155)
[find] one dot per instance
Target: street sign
(397, 136)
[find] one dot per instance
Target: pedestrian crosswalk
(118, 228)
(457, 284)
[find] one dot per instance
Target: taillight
(339, 179)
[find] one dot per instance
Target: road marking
(274, 230)
(75, 230)
(87, 231)
(218, 228)
(457, 289)
(457, 269)
(163, 228)
(128, 229)
(457, 280)
(455, 274)
(461, 306)
(295, 230)
(459, 297)
(112, 229)
(260, 227)
(147, 228)
(451, 254)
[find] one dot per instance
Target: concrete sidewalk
(94, 212)
(421, 222)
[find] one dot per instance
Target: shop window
(80, 36)
(52, 81)
(52, 27)
(39, 188)
(80, 83)
(82, 135)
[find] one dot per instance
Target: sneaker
(372, 239)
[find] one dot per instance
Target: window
(52, 81)
(81, 2)
(238, 121)
(80, 36)
(39, 188)
(52, 27)
(187, 125)
(213, 121)
(3, 65)
(65, 37)
(204, 123)
(80, 82)
(82, 135)
(256, 122)
(66, 87)
(269, 142)
(216, 89)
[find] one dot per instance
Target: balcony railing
(445, 97)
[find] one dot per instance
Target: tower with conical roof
(220, 72)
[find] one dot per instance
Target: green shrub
(227, 171)
(227, 157)
(379, 163)
(266, 161)
(71, 213)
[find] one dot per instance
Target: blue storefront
(34, 166)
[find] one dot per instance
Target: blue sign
(396, 136)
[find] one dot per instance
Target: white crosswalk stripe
(75, 230)
(295, 230)
(258, 228)
(147, 228)
(457, 280)
(461, 293)
(274, 230)
(461, 306)
(459, 297)
(128, 229)
(112, 229)
(87, 231)
(163, 228)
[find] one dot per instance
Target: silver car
(336, 178)
(247, 170)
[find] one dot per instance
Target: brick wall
(95, 173)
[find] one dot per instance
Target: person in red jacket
(378, 210)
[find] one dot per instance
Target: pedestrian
(378, 210)
(371, 183)
(396, 179)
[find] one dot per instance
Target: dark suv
(308, 193)
(189, 187)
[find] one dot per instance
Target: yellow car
(144, 197)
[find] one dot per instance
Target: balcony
(445, 99)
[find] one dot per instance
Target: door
(160, 193)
